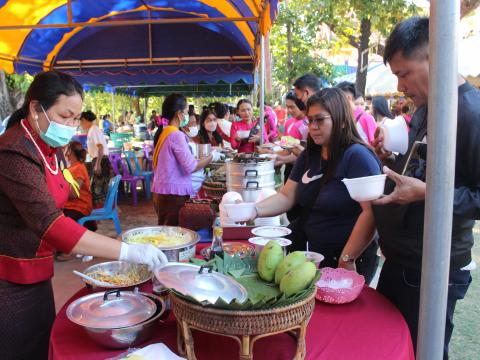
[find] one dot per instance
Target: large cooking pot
(182, 251)
(111, 336)
(251, 190)
(240, 179)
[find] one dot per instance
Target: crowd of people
(340, 135)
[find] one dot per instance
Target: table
(369, 328)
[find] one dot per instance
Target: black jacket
(400, 227)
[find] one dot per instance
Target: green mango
(298, 278)
(291, 260)
(270, 256)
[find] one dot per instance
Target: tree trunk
(365, 32)
(289, 53)
(5, 104)
(468, 6)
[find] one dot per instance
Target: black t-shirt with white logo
(334, 212)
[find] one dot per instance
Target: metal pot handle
(105, 296)
(255, 172)
(252, 182)
(209, 267)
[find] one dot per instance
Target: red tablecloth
(369, 328)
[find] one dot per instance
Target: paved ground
(465, 343)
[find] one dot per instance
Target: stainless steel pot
(121, 338)
(251, 190)
(262, 166)
(202, 150)
(249, 175)
(174, 253)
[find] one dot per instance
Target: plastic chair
(126, 177)
(147, 153)
(109, 210)
(137, 171)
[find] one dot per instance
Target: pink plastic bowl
(339, 296)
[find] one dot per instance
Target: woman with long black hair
(380, 110)
(331, 221)
(209, 132)
(33, 192)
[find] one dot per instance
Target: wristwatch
(347, 258)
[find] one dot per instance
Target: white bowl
(271, 231)
(366, 188)
(231, 197)
(314, 257)
(243, 134)
(260, 242)
(240, 212)
(395, 133)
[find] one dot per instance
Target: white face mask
(192, 131)
(211, 126)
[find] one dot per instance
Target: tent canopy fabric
(135, 41)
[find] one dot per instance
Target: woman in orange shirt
(79, 205)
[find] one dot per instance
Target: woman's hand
(254, 138)
(143, 254)
(349, 265)
(297, 149)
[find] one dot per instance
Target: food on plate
(270, 257)
(289, 141)
(289, 262)
(117, 279)
(237, 248)
(298, 278)
(160, 240)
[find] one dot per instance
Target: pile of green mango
(292, 272)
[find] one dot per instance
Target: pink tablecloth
(369, 328)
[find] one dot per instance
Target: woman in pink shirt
(242, 141)
(295, 125)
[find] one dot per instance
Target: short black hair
(88, 115)
(172, 104)
(307, 80)
(348, 87)
(300, 104)
(219, 109)
(380, 107)
(408, 36)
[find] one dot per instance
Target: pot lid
(200, 282)
(112, 309)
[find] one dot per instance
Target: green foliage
(19, 82)
(297, 16)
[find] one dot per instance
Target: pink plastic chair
(126, 177)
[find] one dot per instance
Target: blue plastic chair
(109, 211)
(137, 171)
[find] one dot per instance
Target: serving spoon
(92, 280)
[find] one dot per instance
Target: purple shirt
(173, 175)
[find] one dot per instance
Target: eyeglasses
(317, 120)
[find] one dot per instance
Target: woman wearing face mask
(173, 162)
(242, 141)
(209, 132)
(332, 222)
(33, 191)
(98, 150)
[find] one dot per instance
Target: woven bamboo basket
(244, 326)
(214, 192)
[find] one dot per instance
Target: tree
(293, 43)
(354, 22)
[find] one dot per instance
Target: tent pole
(113, 108)
(262, 87)
(442, 130)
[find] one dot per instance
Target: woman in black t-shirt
(334, 225)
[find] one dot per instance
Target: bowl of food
(241, 249)
(119, 274)
(339, 286)
(240, 212)
(178, 244)
(365, 188)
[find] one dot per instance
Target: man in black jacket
(400, 215)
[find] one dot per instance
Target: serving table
(369, 328)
